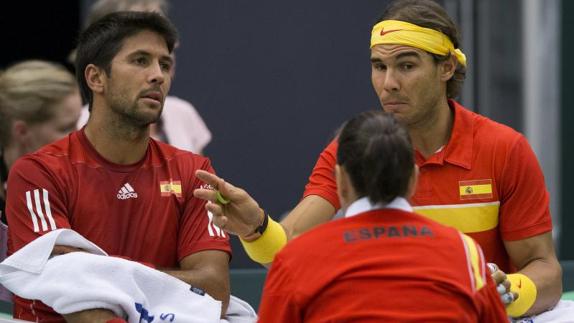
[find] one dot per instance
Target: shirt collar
(364, 205)
(458, 150)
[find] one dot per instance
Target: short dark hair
(429, 14)
(377, 153)
(101, 8)
(103, 39)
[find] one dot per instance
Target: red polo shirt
(486, 182)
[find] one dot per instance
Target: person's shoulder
(330, 150)
(397, 223)
(487, 130)
(425, 225)
(333, 145)
(54, 156)
(449, 245)
(318, 240)
(58, 150)
(167, 152)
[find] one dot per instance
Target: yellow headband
(397, 32)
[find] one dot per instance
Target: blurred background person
(39, 103)
(180, 124)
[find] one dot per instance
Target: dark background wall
(567, 239)
(273, 81)
(38, 30)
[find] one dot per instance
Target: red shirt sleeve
(197, 231)
(524, 210)
(36, 202)
(279, 299)
(322, 180)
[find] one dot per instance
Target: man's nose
(391, 82)
(156, 74)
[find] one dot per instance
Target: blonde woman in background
(39, 103)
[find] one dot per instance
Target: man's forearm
(312, 211)
(97, 315)
(547, 276)
(212, 283)
(535, 258)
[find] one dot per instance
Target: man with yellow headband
(476, 175)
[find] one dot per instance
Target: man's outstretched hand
(234, 211)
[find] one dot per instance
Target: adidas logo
(127, 192)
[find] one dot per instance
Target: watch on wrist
(260, 229)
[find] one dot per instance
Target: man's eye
(165, 66)
(140, 61)
(407, 66)
(379, 66)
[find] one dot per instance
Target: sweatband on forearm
(264, 248)
(396, 32)
(526, 290)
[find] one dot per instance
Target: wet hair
(377, 153)
(103, 39)
(29, 91)
(429, 14)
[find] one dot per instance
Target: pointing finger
(205, 194)
(207, 177)
(215, 209)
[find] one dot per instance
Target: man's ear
(95, 78)
(447, 68)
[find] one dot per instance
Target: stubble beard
(129, 120)
(132, 115)
(424, 118)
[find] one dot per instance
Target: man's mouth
(393, 105)
(154, 95)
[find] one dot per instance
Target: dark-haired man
(371, 265)
(476, 175)
(112, 183)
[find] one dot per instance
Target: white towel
(78, 281)
(239, 311)
(563, 312)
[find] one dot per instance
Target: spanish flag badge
(475, 189)
(170, 187)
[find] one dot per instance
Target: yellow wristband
(264, 248)
(526, 290)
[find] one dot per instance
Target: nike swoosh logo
(383, 32)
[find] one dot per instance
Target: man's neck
(117, 141)
(430, 137)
